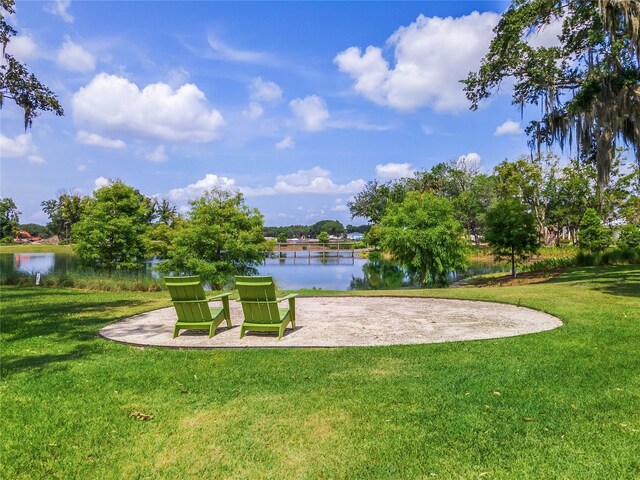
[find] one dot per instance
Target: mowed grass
(558, 404)
(35, 248)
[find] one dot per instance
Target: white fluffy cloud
(313, 181)
(286, 143)
(254, 111)
(312, 111)
(196, 190)
(316, 180)
(74, 58)
(157, 155)
(23, 47)
(469, 162)
(20, 147)
(101, 182)
(88, 138)
(111, 104)
(60, 8)
(431, 56)
(262, 91)
(548, 36)
(509, 127)
(391, 171)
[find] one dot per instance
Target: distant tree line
(331, 227)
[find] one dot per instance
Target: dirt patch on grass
(521, 279)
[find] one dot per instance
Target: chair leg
(176, 331)
(229, 323)
(212, 330)
(242, 331)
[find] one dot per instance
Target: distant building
(356, 236)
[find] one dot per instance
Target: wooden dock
(309, 250)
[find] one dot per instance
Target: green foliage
(631, 208)
(357, 228)
(629, 236)
(9, 218)
(160, 238)
(323, 237)
(111, 232)
(371, 203)
(222, 237)
(16, 82)
(511, 232)
(64, 212)
(332, 227)
(282, 237)
(593, 236)
(163, 212)
(588, 87)
(423, 234)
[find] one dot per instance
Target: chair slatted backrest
(189, 289)
(258, 298)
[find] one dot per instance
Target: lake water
(290, 273)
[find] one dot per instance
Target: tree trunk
(513, 263)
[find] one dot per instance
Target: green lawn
(36, 248)
(560, 404)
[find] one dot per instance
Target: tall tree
(111, 233)
(511, 232)
(588, 86)
(372, 202)
(423, 234)
(64, 212)
(222, 237)
(16, 82)
(593, 236)
(9, 218)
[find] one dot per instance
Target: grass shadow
(613, 280)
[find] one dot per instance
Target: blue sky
(296, 104)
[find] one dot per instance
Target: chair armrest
(225, 304)
(287, 297)
(219, 296)
(292, 306)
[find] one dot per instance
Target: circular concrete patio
(348, 322)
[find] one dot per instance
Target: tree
(64, 212)
(16, 82)
(9, 218)
(422, 233)
(629, 236)
(588, 87)
(163, 212)
(333, 227)
(111, 233)
(511, 232)
(323, 237)
(593, 236)
(282, 237)
(221, 238)
(371, 203)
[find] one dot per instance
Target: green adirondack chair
(194, 313)
(260, 306)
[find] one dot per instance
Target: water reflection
(336, 272)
